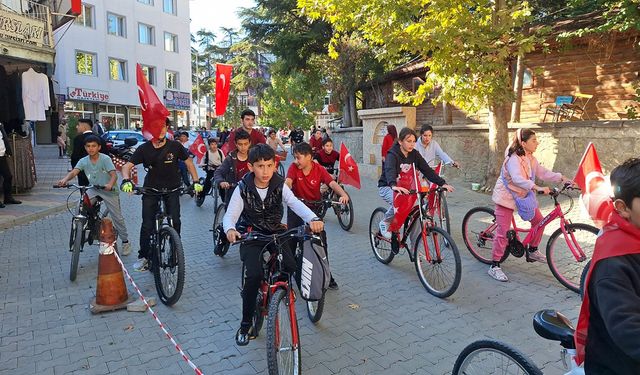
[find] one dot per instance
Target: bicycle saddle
(552, 325)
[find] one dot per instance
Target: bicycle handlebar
(300, 232)
(438, 189)
(69, 186)
(141, 190)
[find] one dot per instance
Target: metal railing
(33, 10)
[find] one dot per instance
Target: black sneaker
(333, 285)
(243, 335)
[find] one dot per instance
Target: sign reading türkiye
(21, 29)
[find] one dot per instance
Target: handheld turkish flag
(349, 173)
(223, 83)
(596, 187)
(403, 203)
(198, 148)
(154, 113)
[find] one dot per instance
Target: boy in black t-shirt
(160, 156)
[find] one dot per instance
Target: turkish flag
(223, 83)
(403, 203)
(595, 186)
(154, 113)
(198, 148)
(349, 173)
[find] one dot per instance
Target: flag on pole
(198, 148)
(348, 168)
(595, 186)
(154, 113)
(223, 83)
(403, 203)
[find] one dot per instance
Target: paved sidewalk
(42, 200)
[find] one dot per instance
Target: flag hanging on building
(198, 148)
(154, 113)
(595, 186)
(349, 173)
(223, 83)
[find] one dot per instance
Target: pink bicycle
(566, 259)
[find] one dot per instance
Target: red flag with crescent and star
(595, 186)
(154, 113)
(198, 148)
(349, 173)
(403, 203)
(223, 83)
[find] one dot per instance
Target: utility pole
(198, 88)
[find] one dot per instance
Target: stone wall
(352, 138)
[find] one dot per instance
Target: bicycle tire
(471, 228)
(315, 309)
(169, 293)
(215, 194)
(345, 215)
(76, 247)
(443, 213)
(217, 220)
(383, 255)
(444, 286)
(562, 263)
(279, 319)
(200, 199)
(476, 349)
(583, 278)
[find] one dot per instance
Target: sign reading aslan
(21, 29)
(89, 95)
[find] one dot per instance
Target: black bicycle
(216, 228)
(167, 258)
(200, 197)
(85, 223)
(329, 199)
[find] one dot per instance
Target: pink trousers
(504, 216)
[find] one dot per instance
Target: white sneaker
(126, 248)
(141, 265)
(384, 229)
(537, 256)
(496, 273)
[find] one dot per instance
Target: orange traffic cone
(111, 291)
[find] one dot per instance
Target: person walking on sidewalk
(5, 172)
(517, 179)
(100, 171)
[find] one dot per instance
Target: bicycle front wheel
(168, 267)
(442, 212)
(315, 309)
(487, 357)
(283, 345)
(381, 247)
(583, 278)
(77, 229)
(563, 264)
(441, 274)
(478, 231)
(345, 215)
(217, 220)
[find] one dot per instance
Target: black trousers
(250, 254)
(7, 177)
(149, 211)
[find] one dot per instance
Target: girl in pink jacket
(517, 171)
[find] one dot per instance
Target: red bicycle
(566, 259)
(438, 208)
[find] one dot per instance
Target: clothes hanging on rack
(35, 95)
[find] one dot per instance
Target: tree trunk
(346, 115)
(447, 114)
(353, 111)
(517, 90)
(350, 115)
(498, 141)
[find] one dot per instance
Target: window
(149, 73)
(117, 70)
(170, 42)
(171, 79)
(116, 25)
(145, 34)
(147, 2)
(86, 16)
(169, 6)
(86, 63)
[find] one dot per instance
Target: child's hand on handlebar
(233, 235)
(344, 199)
(224, 185)
(542, 190)
(400, 190)
(449, 188)
(62, 183)
(316, 226)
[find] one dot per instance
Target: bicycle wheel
(442, 212)
(200, 199)
(583, 278)
(315, 309)
(440, 277)
(345, 215)
(478, 230)
(217, 220)
(561, 260)
(168, 267)
(381, 246)
(281, 169)
(486, 357)
(283, 346)
(76, 245)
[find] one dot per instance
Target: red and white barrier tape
(155, 316)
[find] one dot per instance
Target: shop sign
(21, 29)
(89, 95)
(177, 99)
(62, 100)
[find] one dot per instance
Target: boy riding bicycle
(212, 160)
(305, 177)
(160, 156)
(235, 165)
(100, 170)
(258, 203)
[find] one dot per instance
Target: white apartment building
(96, 59)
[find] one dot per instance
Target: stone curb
(28, 218)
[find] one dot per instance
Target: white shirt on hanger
(3, 148)
(35, 95)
